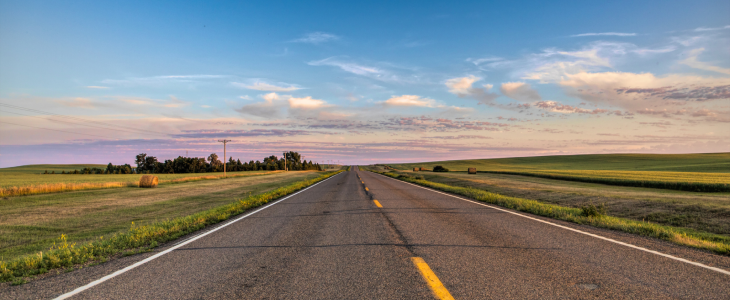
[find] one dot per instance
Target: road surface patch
(438, 288)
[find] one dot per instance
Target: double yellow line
(437, 287)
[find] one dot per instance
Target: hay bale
(148, 181)
(472, 170)
(422, 169)
(416, 169)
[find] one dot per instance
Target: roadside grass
(32, 184)
(587, 215)
(138, 238)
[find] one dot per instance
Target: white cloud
(604, 34)
(270, 97)
(463, 87)
(316, 38)
(519, 91)
(306, 103)
(410, 100)
(266, 109)
(692, 61)
(263, 86)
(245, 97)
(699, 29)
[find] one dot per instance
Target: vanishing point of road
(360, 235)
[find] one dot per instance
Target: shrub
(591, 210)
(440, 169)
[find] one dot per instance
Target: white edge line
(146, 260)
(572, 229)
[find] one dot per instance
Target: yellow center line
(367, 189)
(377, 203)
(438, 288)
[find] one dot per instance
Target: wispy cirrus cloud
(604, 34)
(700, 29)
(385, 72)
(347, 66)
(692, 61)
(267, 87)
(316, 38)
(158, 80)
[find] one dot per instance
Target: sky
(361, 82)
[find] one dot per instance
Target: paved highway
(360, 235)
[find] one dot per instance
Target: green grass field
(36, 169)
(687, 172)
(703, 163)
(28, 175)
(29, 224)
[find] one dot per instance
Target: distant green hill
(706, 163)
(35, 169)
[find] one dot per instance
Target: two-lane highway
(363, 235)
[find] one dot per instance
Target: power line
(68, 122)
(80, 119)
(53, 129)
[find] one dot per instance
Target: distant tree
(141, 159)
(150, 163)
(215, 164)
(440, 169)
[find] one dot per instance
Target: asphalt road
(332, 241)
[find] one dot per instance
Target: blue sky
(375, 82)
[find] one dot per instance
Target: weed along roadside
(588, 215)
(138, 238)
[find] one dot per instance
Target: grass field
(26, 175)
(703, 163)
(37, 169)
(687, 172)
(30, 224)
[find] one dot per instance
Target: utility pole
(285, 168)
(224, 155)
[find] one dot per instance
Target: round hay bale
(472, 170)
(416, 169)
(148, 181)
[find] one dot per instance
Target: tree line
(150, 165)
